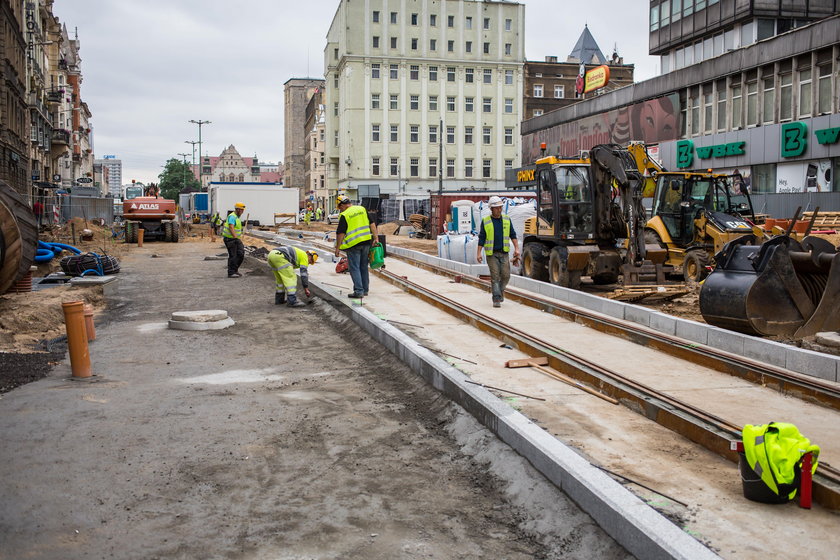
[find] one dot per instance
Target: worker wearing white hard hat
(494, 240)
(232, 235)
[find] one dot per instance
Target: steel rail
(704, 428)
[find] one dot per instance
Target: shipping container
(261, 200)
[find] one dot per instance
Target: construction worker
(355, 235)
(307, 215)
(232, 234)
(494, 241)
(283, 262)
(319, 214)
(216, 223)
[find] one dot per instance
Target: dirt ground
(290, 435)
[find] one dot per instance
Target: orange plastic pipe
(74, 322)
(140, 232)
(89, 326)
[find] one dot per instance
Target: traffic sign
(84, 180)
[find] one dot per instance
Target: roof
(587, 50)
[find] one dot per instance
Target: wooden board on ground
(823, 220)
(649, 294)
(527, 362)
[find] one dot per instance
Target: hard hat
(342, 200)
(495, 202)
(312, 255)
(239, 205)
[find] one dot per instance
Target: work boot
(279, 298)
(297, 304)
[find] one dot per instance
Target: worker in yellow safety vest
(774, 451)
(232, 235)
(355, 234)
(283, 262)
(494, 240)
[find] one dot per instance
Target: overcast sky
(150, 66)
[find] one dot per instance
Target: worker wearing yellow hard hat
(283, 261)
(232, 235)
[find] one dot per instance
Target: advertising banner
(804, 176)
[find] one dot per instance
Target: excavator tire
(559, 273)
(695, 266)
(167, 231)
(176, 233)
(535, 262)
(18, 237)
(652, 238)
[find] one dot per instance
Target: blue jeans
(357, 262)
(499, 265)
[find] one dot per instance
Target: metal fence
(784, 205)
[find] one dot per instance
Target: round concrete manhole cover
(202, 320)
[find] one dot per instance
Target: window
(414, 72)
(433, 73)
(335, 81)
(335, 139)
(486, 134)
(468, 75)
(508, 77)
(374, 101)
(688, 8)
(468, 167)
(450, 104)
(508, 164)
(450, 134)
(508, 105)
(508, 137)
(824, 92)
(676, 10)
(450, 167)
(654, 17)
(736, 107)
(414, 44)
(335, 54)
(468, 135)
(785, 97)
(433, 169)
(805, 93)
(393, 42)
(395, 102)
(487, 23)
(394, 71)
(375, 42)
(414, 167)
(393, 17)
(538, 112)
(695, 112)
(558, 92)
(433, 106)
(752, 104)
(768, 101)
(508, 24)
(486, 165)
(413, 19)
(665, 13)
(707, 111)
(335, 108)
(433, 135)
(374, 167)
(488, 76)
(374, 70)
(415, 103)
(468, 104)
(414, 133)
(395, 167)
(433, 20)
(538, 90)
(450, 73)
(721, 108)
(432, 44)
(375, 16)
(486, 48)
(508, 49)
(450, 46)
(395, 133)
(468, 47)
(374, 133)
(450, 21)
(468, 23)
(487, 105)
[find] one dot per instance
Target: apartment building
(314, 129)
(297, 93)
(419, 91)
(112, 176)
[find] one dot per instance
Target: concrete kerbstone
(811, 363)
(728, 341)
(692, 330)
(767, 351)
(637, 314)
(613, 308)
(201, 316)
(205, 326)
(663, 323)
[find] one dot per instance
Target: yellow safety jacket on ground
(490, 232)
(774, 451)
(358, 227)
(237, 226)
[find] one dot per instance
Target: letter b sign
(794, 139)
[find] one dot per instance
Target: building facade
(112, 177)
(315, 172)
(231, 167)
(297, 93)
(14, 112)
(768, 108)
(422, 91)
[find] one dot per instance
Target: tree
(175, 178)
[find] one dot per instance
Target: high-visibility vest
(216, 220)
(773, 451)
(358, 227)
(490, 232)
(237, 226)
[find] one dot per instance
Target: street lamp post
(200, 164)
(184, 180)
(193, 143)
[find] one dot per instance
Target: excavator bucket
(782, 287)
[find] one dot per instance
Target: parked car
(332, 217)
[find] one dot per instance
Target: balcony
(60, 137)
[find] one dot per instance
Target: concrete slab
(200, 316)
(811, 363)
(692, 330)
(92, 280)
(637, 314)
(206, 326)
(663, 323)
(767, 351)
(829, 339)
(728, 341)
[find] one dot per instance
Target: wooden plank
(527, 362)
(573, 382)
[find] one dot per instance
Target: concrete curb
(632, 523)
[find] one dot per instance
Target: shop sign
(722, 150)
(597, 78)
(828, 135)
(685, 154)
(525, 175)
(794, 139)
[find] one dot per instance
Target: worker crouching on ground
(355, 235)
(232, 234)
(494, 240)
(283, 261)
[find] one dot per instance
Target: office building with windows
(113, 174)
(417, 89)
(746, 86)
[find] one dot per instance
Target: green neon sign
(722, 150)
